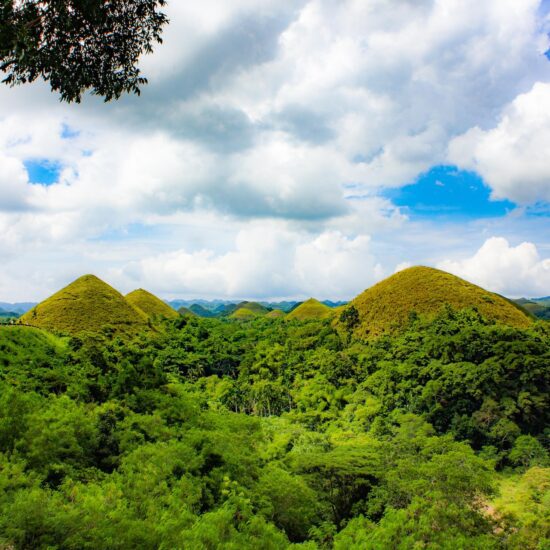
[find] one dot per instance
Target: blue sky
(446, 193)
(292, 148)
(43, 171)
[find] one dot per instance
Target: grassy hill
(275, 314)
(386, 306)
(152, 306)
(310, 309)
(186, 312)
(248, 310)
(87, 304)
(243, 314)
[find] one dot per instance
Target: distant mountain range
(539, 307)
(18, 308)
(212, 308)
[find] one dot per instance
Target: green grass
(386, 306)
(152, 306)
(275, 314)
(310, 309)
(248, 310)
(86, 305)
(243, 314)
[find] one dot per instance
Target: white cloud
(514, 271)
(13, 184)
(513, 157)
(290, 115)
(267, 260)
(395, 88)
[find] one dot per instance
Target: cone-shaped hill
(386, 306)
(152, 306)
(87, 304)
(310, 309)
(248, 310)
(275, 314)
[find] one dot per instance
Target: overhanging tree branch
(79, 45)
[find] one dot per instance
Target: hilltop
(87, 304)
(152, 306)
(386, 306)
(310, 309)
(275, 314)
(248, 310)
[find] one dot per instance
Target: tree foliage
(79, 45)
(269, 434)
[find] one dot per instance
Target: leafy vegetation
(77, 45)
(387, 306)
(264, 433)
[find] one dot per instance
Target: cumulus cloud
(513, 156)
(514, 271)
(392, 89)
(13, 183)
(270, 260)
(293, 114)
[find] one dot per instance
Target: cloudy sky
(293, 148)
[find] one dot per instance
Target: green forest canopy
(272, 433)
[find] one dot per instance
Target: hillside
(386, 306)
(248, 310)
(201, 311)
(27, 346)
(186, 312)
(87, 304)
(310, 309)
(152, 306)
(295, 430)
(539, 309)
